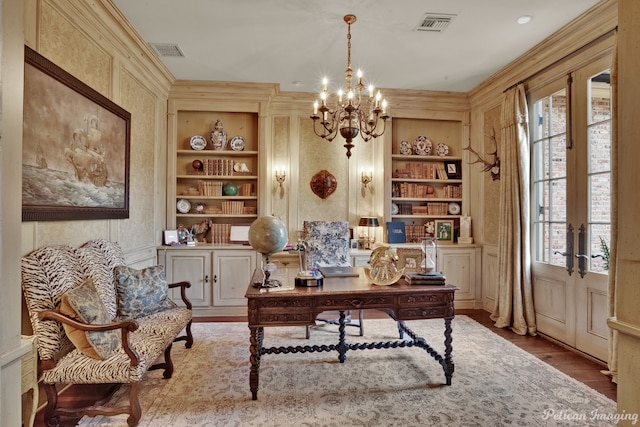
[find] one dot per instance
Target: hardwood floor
(570, 362)
(563, 359)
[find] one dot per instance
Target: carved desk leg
(255, 350)
(448, 348)
(342, 344)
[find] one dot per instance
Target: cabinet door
(233, 271)
(193, 266)
(459, 267)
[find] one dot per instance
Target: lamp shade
(369, 221)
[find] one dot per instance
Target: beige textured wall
(87, 40)
(317, 154)
(491, 194)
(281, 143)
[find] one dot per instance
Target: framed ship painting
(75, 152)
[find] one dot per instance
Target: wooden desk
(290, 306)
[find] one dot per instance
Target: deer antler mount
(492, 167)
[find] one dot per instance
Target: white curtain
(612, 361)
(514, 302)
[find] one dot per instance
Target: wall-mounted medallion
(323, 184)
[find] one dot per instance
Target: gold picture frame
(410, 259)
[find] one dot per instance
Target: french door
(571, 201)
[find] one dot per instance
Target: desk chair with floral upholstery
(328, 246)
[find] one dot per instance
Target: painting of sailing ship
(75, 158)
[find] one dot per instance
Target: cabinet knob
(215, 278)
(206, 278)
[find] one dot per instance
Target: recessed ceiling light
(523, 19)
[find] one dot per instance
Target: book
(434, 279)
(339, 271)
(396, 232)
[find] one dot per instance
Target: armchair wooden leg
(188, 337)
(50, 416)
(134, 403)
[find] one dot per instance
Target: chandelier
(352, 112)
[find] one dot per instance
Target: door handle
(582, 258)
(568, 254)
(562, 253)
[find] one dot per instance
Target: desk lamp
(369, 222)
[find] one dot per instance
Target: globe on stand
(268, 235)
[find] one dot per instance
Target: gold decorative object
(384, 270)
(353, 112)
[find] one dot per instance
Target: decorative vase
(230, 189)
(218, 137)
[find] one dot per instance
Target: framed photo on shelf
(452, 169)
(410, 259)
(444, 231)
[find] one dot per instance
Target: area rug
(495, 383)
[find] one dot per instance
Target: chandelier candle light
(352, 113)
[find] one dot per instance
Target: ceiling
(295, 43)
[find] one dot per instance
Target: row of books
(214, 188)
(430, 208)
(399, 232)
(218, 167)
(210, 188)
(453, 191)
(421, 170)
(232, 207)
(220, 233)
(415, 233)
(413, 190)
(424, 191)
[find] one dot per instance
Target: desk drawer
(428, 312)
(284, 318)
(425, 299)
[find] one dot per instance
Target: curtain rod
(564, 58)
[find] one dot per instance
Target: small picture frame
(453, 169)
(410, 259)
(354, 243)
(444, 231)
(171, 237)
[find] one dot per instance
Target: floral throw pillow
(141, 292)
(83, 303)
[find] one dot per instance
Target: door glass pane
(599, 170)
(549, 166)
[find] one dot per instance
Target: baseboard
(573, 350)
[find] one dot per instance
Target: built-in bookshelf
(213, 187)
(427, 178)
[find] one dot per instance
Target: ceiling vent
(435, 22)
(167, 49)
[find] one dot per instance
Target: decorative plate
(198, 142)
(422, 145)
(405, 148)
(237, 143)
(394, 209)
(454, 208)
(184, 206)
(442, 149)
